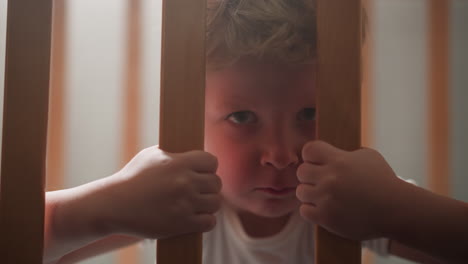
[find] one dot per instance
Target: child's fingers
(307, 193)
(200, 161)
(318, 152)
(202, 223)
(308, 212)
(208, 204)
(309, 173)
(208, 183)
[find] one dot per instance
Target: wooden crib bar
(339, 86)
(25, 130)
(182, 103)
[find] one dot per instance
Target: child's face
(257, 119)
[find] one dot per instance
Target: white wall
(400, 88)
(93, 92)
(459, 85)
(95, 77)
(400, 85)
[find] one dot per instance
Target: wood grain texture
(438, 42)
(182, 103)
(339, 100)
(55, 137)
(25, 131)
(367, 90)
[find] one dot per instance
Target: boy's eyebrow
(236, 103)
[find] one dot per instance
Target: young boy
(259, 125)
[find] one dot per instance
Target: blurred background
(105, 93)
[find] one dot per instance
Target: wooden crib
(182, 111)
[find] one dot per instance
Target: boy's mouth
(277, 192)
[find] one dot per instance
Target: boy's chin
(267, 209)
(275, 212)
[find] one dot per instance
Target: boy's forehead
(237, 85)
(243, 81)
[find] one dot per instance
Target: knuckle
(306, 212)
(304, 172)
(308, 148)
(301, 172)
(195, 153)
(212, 161)
(209, 160)
(200, 154)
(368, 151)
(300, 192)
(212, 157)
(318, 145)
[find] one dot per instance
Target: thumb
(319, 152)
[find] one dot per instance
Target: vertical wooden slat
(439, 153)
(367, 90)
(131, 124)
(55, 136)
(182, 103)
(339, 82)
(367, 93)
(25, 131)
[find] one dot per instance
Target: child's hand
(159, 194)
(348, 193)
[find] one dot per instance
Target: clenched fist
(348, 193)
(159, 194)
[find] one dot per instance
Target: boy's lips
(277, 191)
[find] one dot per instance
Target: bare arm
(427, 227)
(132, 204)
(71, 221)
(97, 248)
(358, 196)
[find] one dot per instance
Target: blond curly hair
(276, 31)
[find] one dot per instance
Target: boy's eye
(242, 117)
(307, 114)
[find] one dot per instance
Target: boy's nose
(279, 155)
(281, 162)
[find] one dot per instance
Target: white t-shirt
(228, 243)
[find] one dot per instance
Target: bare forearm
(430, 223)
(72, 220)
(99, 247)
